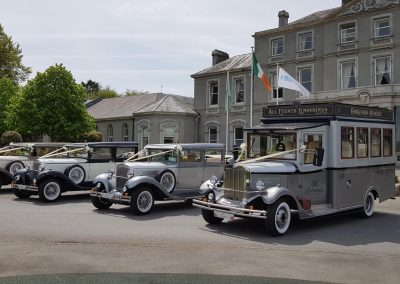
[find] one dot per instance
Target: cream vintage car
(72, 168)
(17, 156)
(164, 171)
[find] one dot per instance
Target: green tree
(7, 90)
(106, 93)
(135, 93)
(91, 87)
(51, 104)
(11, 60)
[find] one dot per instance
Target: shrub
(10, 136)
(93, 136)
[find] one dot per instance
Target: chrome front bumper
(24, 187)
(114, 196)
(233, 210)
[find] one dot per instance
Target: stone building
(346, 54)
(147, 118)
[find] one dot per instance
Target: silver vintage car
(159, 172)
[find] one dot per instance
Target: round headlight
(260, 185)
(211, 196)
(214, 180)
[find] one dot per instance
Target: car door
(100, 161)
(190, 172)
(213, 163)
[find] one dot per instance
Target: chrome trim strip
(25, 187)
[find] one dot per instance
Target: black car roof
(121, 144)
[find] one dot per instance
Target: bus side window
(347, 137)
(311, 142)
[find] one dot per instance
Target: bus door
(313, 179)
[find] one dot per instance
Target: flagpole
(251, 87)
(227, 111)
(277, 86)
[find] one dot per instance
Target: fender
(103, 179)
(5, 177)
(61, 177)
(134, 182)
(276, 192)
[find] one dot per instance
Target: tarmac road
(71, 236)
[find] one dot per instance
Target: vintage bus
(317, 159)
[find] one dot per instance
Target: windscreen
(259, 145)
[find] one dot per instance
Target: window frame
(216, 134)
(341, 29)
(301, 68)
(341, 69)
(299, 36)
(380, 142)
(125, 132)
(235, 139)
(390, 144)
(110, 133)
(375, 28)
(211, 93)
(235, 91)
(352, 141)
(273, 78)
(365, 139)
(274, 51)
(383, 56)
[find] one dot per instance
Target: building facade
(147, 119)
(346, 54)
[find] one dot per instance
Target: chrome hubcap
(52, 191)
(144, 201)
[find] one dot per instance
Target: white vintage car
(17, 156)
(72, 168)
(164, 171)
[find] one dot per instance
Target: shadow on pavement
(145, 278)
(161, 209)
(345, 229)
(66, 198)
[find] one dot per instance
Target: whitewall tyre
(49, 190)
(142, 201)
(278, 218)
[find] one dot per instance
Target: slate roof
(122, 107)
(236, 62)
(317, 16)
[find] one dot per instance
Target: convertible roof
(105, 144)
(188, 146)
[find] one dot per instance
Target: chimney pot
(218, 56)
(283, 18)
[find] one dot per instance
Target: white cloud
(132, 44)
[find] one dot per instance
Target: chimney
(283, 18)
(345, 2)
(218, 56)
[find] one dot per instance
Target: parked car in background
(17, 156)
(71, 168)
(164, 172)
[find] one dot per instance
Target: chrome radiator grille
(234, 183)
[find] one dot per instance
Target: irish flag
(260, 74)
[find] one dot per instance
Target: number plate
(223, 215)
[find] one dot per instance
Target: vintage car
(17, 156)
(164, 171)
(316, 159)
(73, 167)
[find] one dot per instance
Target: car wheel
(21, 193)
(209, 217)
(15, 166)
(369, 206)
(75, 173)
(278, 218)
(142, 201)
(100, 203)
(49, 190)
(168, 181)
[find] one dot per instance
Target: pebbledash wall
(348, 54)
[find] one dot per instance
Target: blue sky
(141, 45)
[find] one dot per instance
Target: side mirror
(318, 157)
